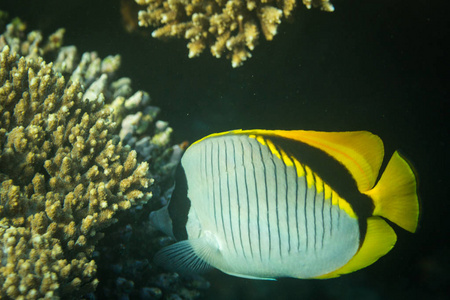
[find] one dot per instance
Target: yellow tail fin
(395, 195)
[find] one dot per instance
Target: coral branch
(232, 27)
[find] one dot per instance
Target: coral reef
(230, 27)
(65, 174)
(31, 47)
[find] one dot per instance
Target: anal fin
(379, 240)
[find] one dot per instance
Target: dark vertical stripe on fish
(286, 194)
(323, 207)
(213, 183)
(267, 199)
(238, 200)
(207, 174)
(256, 200)
(296, 204)
(275, 178)
(331, 217)
(246, 197)
(228, 194)
(220, 195)
(314, 208)
(304, 207)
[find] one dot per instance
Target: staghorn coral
(230, 27)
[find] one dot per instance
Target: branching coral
(230, 27)
(32, 47)
(67, 172)
(63, 173)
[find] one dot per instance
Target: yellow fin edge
(379, 240)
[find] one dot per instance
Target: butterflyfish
(265, 204)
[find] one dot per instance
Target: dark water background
(378, 65)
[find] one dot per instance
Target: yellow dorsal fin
(379, 240)
(361, 152)
(236, 131)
